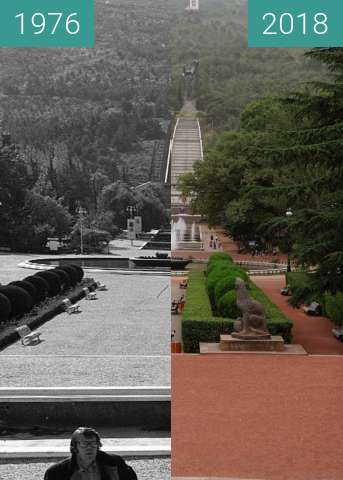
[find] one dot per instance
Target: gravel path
(146, 469)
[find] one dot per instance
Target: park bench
(69, 307)
(286, 290)
(313, 309)
(101, 286)
(338, 333)
(183, 284)
(89, 295)
(174, 307)
(27, 336)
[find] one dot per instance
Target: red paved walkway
(262, 417)
(313, 333)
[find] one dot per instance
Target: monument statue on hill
(193, 6)
(253, 324)
(189, 75)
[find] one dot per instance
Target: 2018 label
(287, 22)
(295, 23)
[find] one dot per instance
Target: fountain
(185, 232)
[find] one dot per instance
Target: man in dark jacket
(88, 462)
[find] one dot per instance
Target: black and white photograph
(85, 251)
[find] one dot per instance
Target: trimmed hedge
(197, 305)
(226, 284)
(227, 305)
(219, 256)
(79, 270)
(21, 301)
(29, 287)
(199, 324)
(41, 285)
(64, 278)
(71, 271)
(214, 277)
(8, 335)
(334, 307)
(197, 331)
(5, 308)
(221, 274)
(52, 280)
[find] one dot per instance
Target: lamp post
(81, 212)
(131, 210)
(289, 213)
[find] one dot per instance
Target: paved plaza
(257, 416)
(122, 338)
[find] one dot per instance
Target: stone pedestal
(230, 344)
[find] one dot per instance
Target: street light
(131, 231)
(289, 213)
(131, 210)
(81, 212)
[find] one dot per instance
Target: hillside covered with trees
(230, 74)
(89, 124)
(278, 179)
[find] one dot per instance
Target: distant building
(193, 6)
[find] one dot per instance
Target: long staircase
(185, 149)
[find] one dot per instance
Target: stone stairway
(157, 164)
(186, 150)
(138, 419)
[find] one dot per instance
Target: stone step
(95, 394)
(188, 245)
(60, 448)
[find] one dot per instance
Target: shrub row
(221, 273)
(19, 297)
(198, 322)
(333, 306)
(206, 318)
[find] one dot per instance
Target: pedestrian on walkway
(181, 303)
(88, 462)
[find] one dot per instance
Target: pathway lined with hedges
(313, 333)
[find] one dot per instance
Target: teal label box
(47, 23)
(295, 23)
